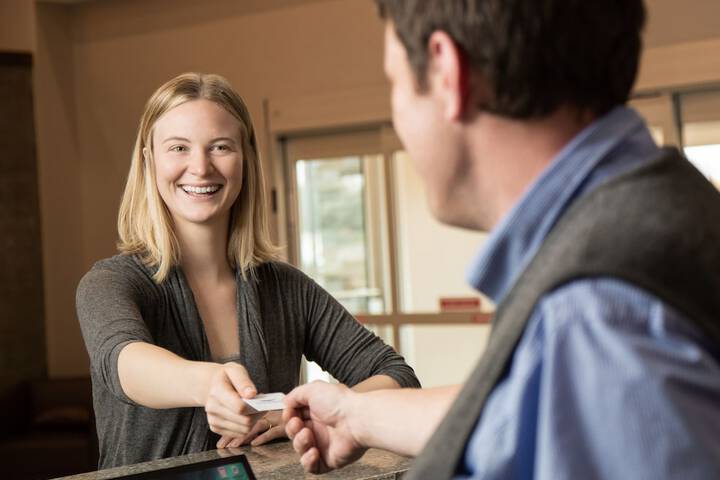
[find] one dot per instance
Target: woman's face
(197, 147)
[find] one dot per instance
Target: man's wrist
(356, 418)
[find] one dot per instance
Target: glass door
(337, 217)
(432, 259)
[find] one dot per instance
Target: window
(701, 131)
(359, 225)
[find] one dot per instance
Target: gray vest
(656, 227)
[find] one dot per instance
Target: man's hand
(318, 418)
(226, 411)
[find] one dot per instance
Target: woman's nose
(200, 163)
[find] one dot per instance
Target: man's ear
(449, 75)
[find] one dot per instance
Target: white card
(266, 402)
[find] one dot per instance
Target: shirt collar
(516, 239)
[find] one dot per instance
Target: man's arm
(401, 421)
(332, 426)
(277, 429)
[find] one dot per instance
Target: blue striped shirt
(607, 380)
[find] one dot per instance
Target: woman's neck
(204, 251)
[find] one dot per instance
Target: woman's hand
(269, 427)
(275, 428)
(226, 411)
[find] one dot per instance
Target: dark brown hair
(535, 54)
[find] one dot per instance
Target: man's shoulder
(608, 303)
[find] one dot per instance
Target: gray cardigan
(282, 315)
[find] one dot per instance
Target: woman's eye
(178, 148)
(222, 148)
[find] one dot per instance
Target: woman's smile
(201, 191)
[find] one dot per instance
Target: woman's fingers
(260, 426)
(224, 441)
(224, 395)
(234, 426)
(240, 379)
(230, 414)
(269, 435)
(258, 435)
(236, 442)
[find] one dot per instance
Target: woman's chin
(201, 219)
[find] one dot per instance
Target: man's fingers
(312, 462)
(288, 413)
(303, 441)
(298, 397)
(293, 426)
(240, 380)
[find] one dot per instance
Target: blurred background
(346, 202)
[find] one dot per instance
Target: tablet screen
(229, 468)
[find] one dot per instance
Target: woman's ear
(145, 153)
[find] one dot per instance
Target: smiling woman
(194, 124)
(195, 314)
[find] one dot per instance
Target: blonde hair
(145, 226)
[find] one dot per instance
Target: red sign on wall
(459, 303)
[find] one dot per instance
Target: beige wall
(17, 26)
(97, 63)
(60, 183)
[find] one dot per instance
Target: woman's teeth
(208, 189)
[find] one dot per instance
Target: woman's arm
(343, 346)
(135, 370)
(376, 382)
(157, 378)
(142, 367)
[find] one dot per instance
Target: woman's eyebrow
(182, 139)
(227, 139)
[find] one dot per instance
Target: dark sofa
(48, 429)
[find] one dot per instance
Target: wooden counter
(276, 461)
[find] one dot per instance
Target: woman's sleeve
(341, 345)
(108, 308)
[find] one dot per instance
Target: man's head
(534, 54)
(486, 92)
